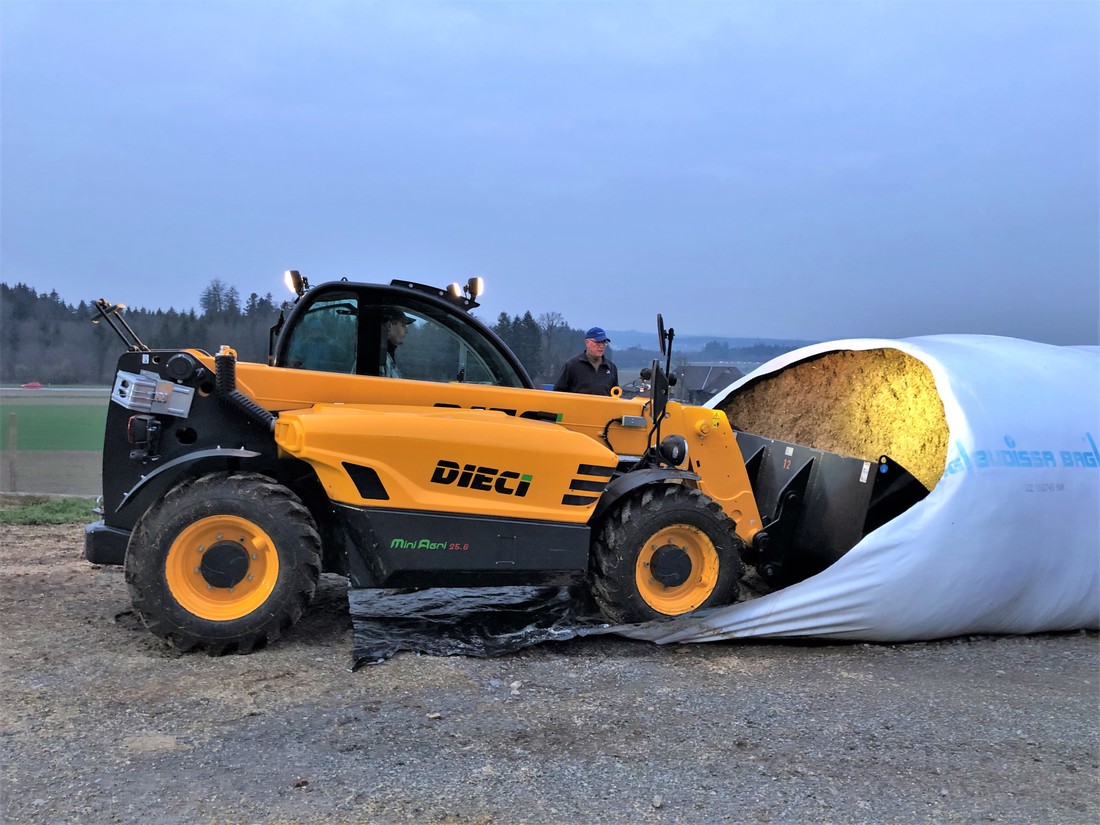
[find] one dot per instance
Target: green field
(61, 421)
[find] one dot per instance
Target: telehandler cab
(228, 487)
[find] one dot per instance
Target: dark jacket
(577, 375)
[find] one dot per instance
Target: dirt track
(100, 723)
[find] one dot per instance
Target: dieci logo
(507, 483)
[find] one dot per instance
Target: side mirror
(658, 393)
(661, 332)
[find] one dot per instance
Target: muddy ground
(101, 723)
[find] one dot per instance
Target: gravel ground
(101, 723)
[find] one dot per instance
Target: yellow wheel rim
(684, 543)
(222, 568)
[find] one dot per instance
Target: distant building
(696, 383)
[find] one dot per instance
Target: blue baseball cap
(597, 334)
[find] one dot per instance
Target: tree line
(44, 339)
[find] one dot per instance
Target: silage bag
(1006, 542)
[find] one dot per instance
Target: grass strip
(46, 510)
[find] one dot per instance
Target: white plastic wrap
(1008, 541)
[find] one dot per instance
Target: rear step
(816, 506)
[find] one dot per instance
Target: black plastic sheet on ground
(465, 621)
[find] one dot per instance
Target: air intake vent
(367, 482)
(595, 484)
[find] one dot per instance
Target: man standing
(590, 372)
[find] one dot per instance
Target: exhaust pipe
(225, 388)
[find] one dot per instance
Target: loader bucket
(816, 505)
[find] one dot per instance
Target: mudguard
(165, 476)
(630, 482)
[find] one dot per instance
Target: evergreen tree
(528, 346)
(213, 299)
(232, 302)
(505, 328)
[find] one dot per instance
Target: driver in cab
(395, 326)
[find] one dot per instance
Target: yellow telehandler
(228, 487)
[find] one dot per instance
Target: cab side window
(325, 338)
(432, 348)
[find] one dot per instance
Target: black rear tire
(665, 551)
(223, 562)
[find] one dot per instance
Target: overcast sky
(809, 170)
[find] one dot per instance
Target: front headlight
(674, 450)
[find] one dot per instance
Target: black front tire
(226, 561)
(666, 551)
